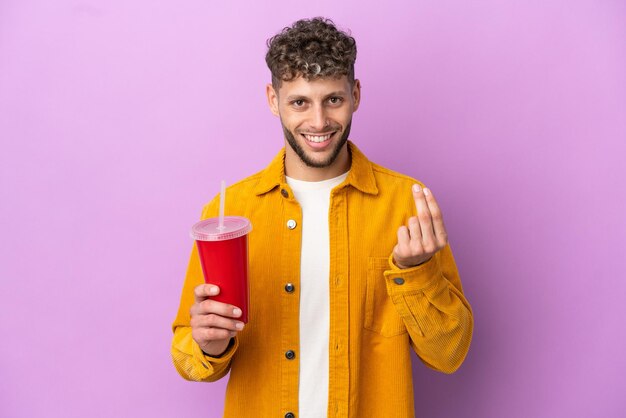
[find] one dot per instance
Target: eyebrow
(300, 97)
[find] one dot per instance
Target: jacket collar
(361, 175)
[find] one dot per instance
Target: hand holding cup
(213, 323)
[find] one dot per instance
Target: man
(349, 264)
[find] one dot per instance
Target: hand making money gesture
(425, 234)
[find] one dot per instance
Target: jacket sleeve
(430, 300)
(190, 361)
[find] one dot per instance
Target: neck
(297, 169)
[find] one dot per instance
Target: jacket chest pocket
(381, 315)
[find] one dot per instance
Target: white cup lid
(208, 229)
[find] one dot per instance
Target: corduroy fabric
(374, 319)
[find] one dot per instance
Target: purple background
(119, 118)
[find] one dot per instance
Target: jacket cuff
(417, 278)
(209, 361)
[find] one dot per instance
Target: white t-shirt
(314, 199)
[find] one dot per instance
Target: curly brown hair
(311, 48)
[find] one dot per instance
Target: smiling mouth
(317, 138)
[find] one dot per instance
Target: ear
(356, 94)
(272, 99)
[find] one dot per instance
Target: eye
(335, 100)
(298, 103)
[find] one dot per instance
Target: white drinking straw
(222, 200)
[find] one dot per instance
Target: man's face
(316, 116)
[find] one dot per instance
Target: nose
(318, 118)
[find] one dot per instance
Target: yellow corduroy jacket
(377, 311)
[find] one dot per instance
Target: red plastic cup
(224, 258)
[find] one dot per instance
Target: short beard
(304, 157)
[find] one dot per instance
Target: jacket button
(284, 192)
(399, 280)
(289, 287)
(290, 354)
(290, 415)
(291, 224)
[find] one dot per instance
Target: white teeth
(317, 139)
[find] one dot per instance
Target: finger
(404, 240)
(203, 291)
(212, 334)
(441, 235)
(414, 229)
(423, 214)
(216, 321)
(416, 236)
(209, 306)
